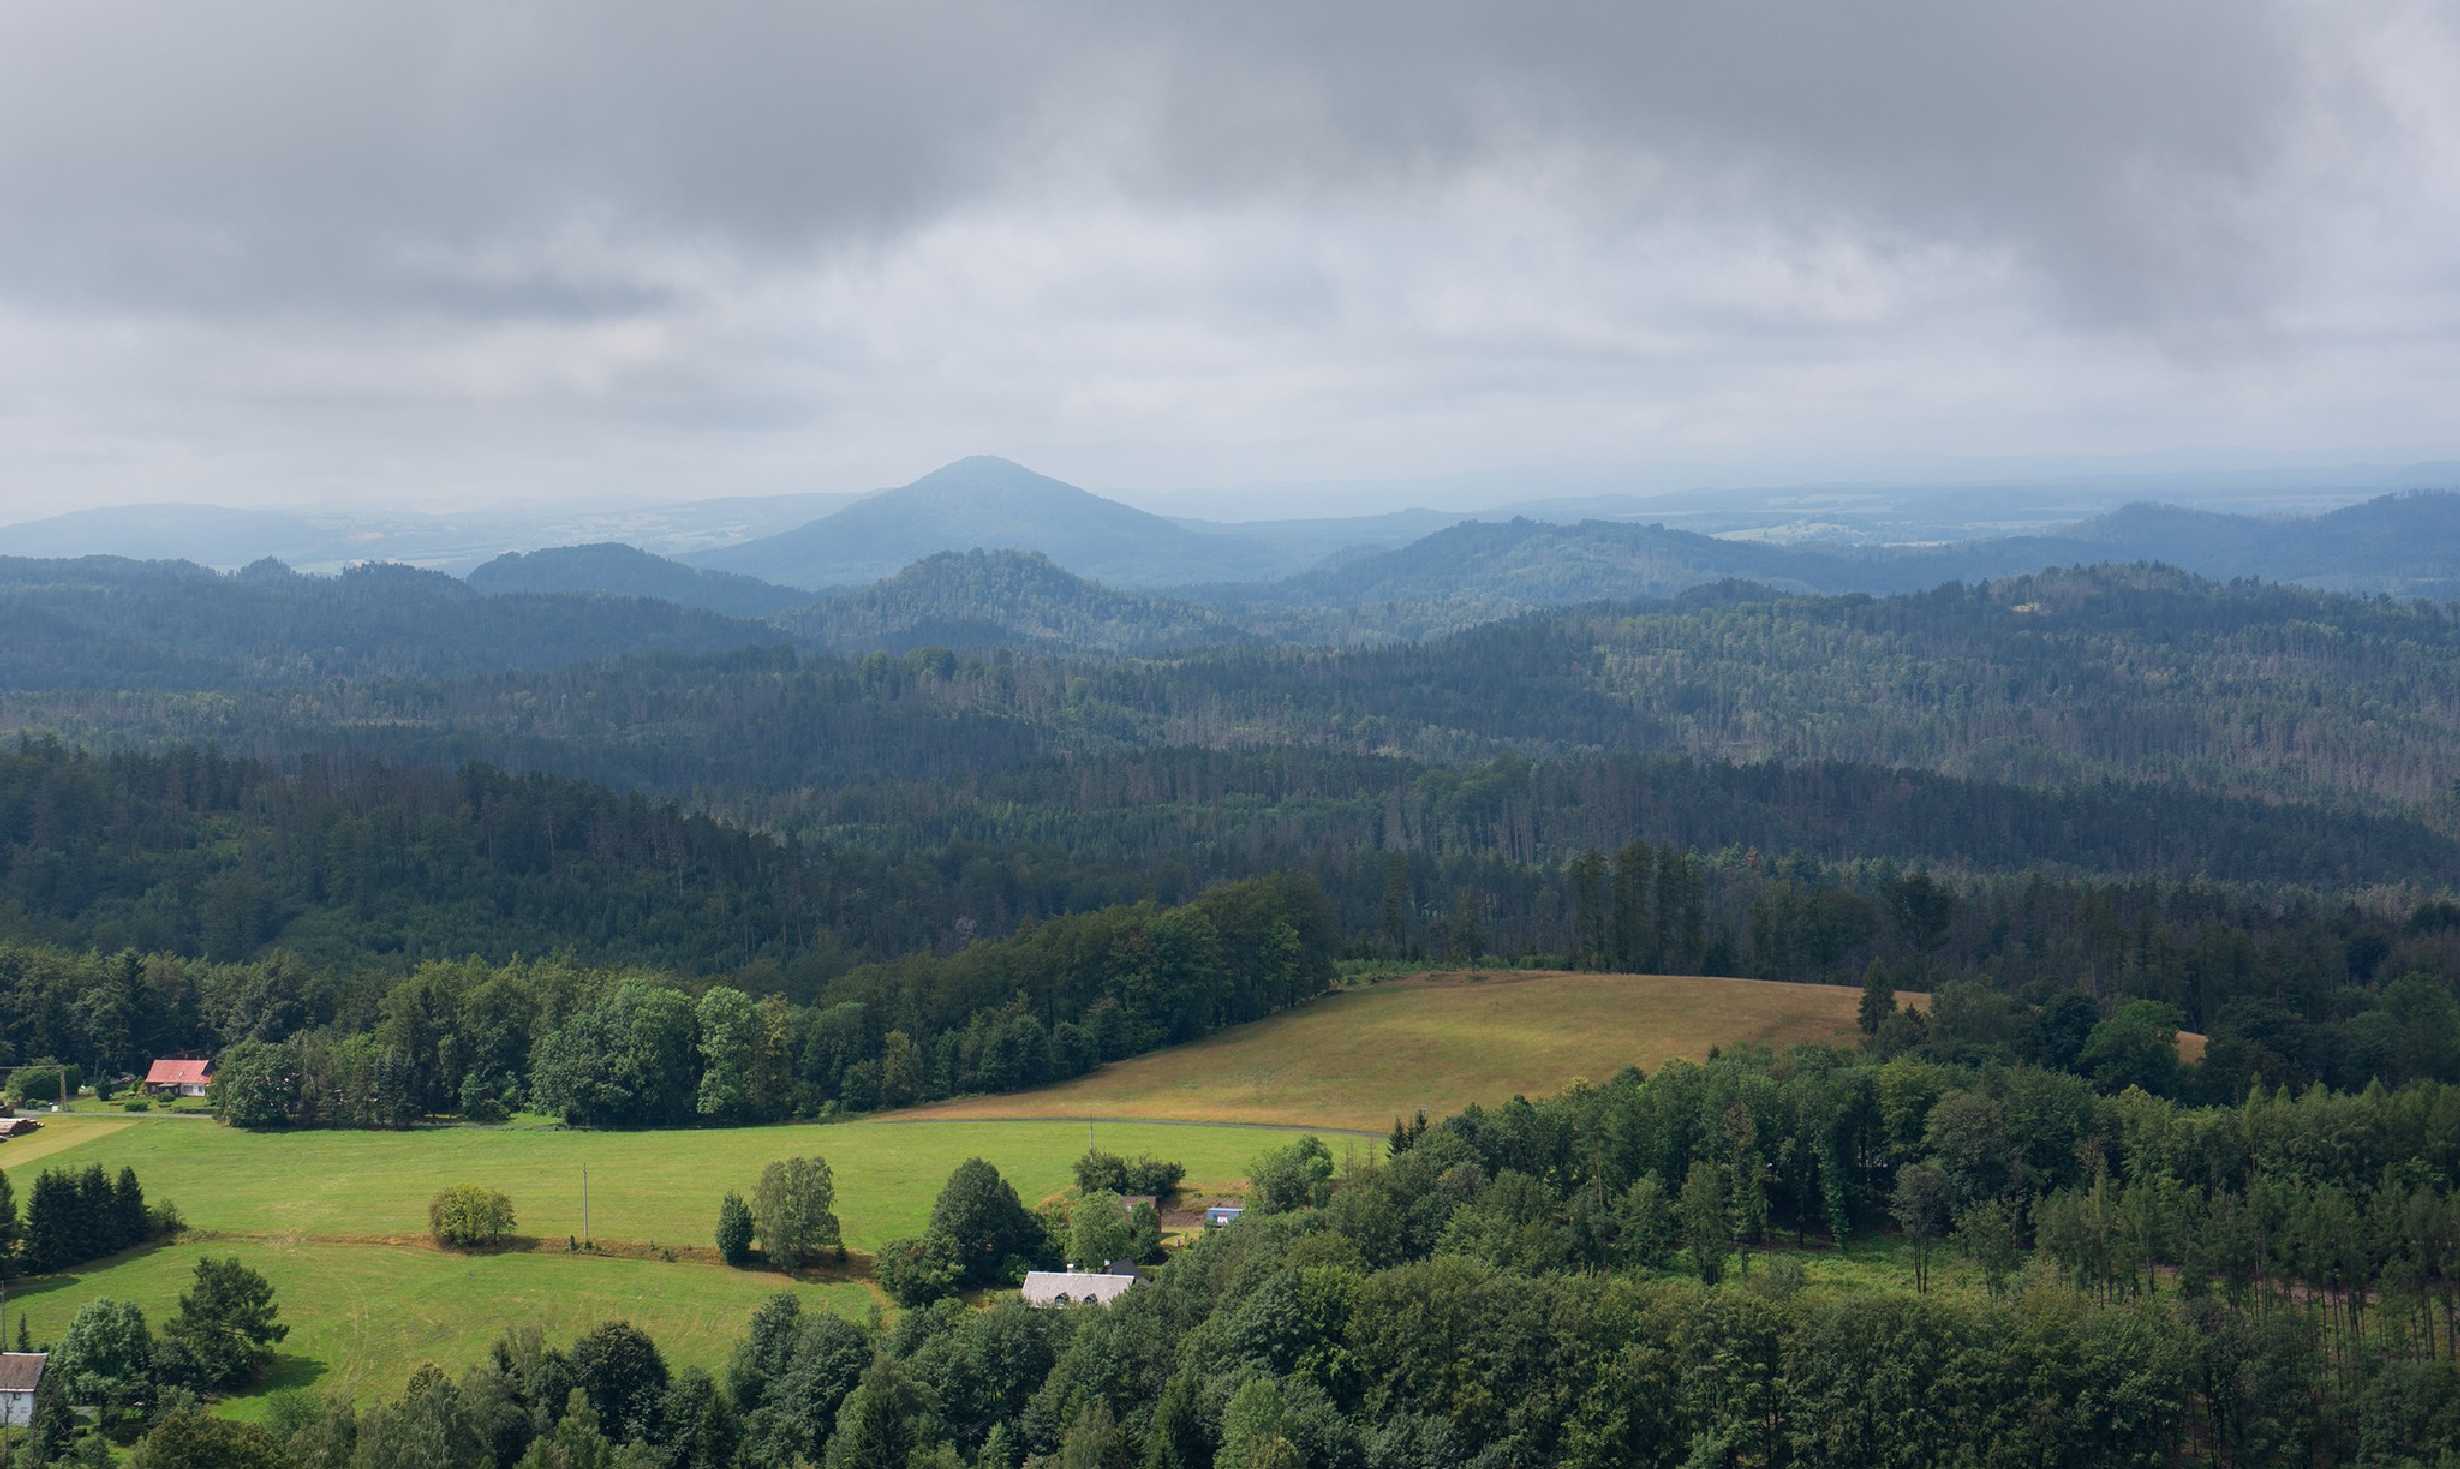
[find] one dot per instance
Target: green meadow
(644, 1187)
(336, 1220)
(362, 1317)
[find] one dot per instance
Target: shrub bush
(1140, 1175)
(734, 1230)
(467, 1216)
(137, 1104)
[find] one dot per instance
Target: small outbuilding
(1075, 1287)
(1221, 1214)
(20, 1373)
(175, 1077)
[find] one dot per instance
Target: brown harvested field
(1439, 1042)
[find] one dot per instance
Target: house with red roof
(179, 1078)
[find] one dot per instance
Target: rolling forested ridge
(2237, 801)
(2163, 869)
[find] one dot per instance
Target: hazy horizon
(2247, 488)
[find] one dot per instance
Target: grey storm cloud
(214, 155)
(325, 181)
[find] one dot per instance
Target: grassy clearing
(363, 1318)
(335, 1220)
(1439, 1042)
(643, 1186)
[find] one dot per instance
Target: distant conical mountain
(611, 569)
(993, 504)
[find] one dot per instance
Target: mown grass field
(58, 1135)
(658, 1187)
(1439, 1042)
(336, 1221)
(362, 1318)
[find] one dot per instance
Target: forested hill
(2407, 545)
(2053, 679)
(2061, 681)
(1481, 571)
(352, 865)
(105, 623)
(610, 569)
(995, 599)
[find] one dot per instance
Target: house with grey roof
(20, 1372)
(1076, 1287)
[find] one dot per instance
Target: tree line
(75, 1216)
(322, 886)
(616, 1049)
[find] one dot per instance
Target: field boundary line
(920, 1116)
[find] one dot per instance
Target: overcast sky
(445, 254)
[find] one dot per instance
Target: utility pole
(585, 1203)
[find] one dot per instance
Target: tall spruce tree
(1878, 999)
(9, 1226)
(55, 1236)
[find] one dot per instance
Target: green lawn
(643, 1186)
(362, 1318)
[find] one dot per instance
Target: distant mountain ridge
(1408, 574)
(612, 569)
(106, 621)
(328, 540)
(2405, 544)
(1482, 571)
(1479, 571)
(994, 599)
